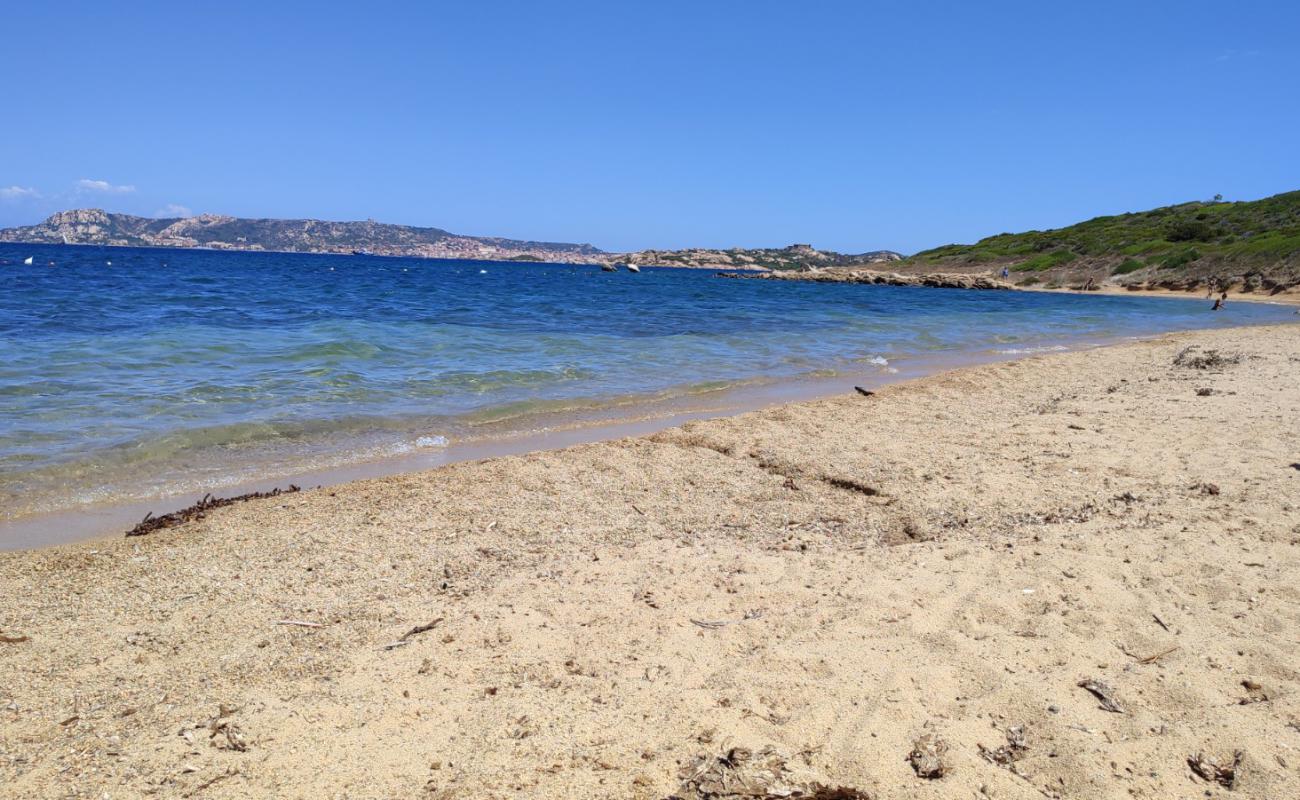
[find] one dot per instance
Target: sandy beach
(811, 588)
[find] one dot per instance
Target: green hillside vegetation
(1197, 241)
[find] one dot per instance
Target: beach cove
(141, 379)
(949, 557)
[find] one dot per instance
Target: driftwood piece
(150, 523)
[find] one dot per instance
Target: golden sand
(823, 584)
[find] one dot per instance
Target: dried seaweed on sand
(741, 774)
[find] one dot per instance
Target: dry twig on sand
(715, 624)
(150, 523)
(1104, 693)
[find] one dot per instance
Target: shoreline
(990, 281)
(1287, 298)
(832, 580)
(544, 431)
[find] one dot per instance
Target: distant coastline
(96, 227)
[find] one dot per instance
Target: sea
(137, 374)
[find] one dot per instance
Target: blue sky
(850, 125)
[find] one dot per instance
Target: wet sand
(507, 437)
(833, 579)
(1286, 298)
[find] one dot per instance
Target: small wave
(1024, 351)
(431, 441)
(879, 361)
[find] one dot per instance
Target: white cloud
(88, 185)
(173, 210)
(18, 193)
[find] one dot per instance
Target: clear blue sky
(850, 125)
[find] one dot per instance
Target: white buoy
(482, 272)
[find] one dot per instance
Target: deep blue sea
(132, 372)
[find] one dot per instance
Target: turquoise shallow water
(173, 368)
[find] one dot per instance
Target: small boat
(362, 252)
(28, 261)
(633, 268)
(608, 268)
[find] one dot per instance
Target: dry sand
(949, 557)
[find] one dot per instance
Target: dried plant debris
(716, 624)
(199, 510)
(740, 774)
(1193, 358)
(1009, 753)
(1212, 771)
(927, 757)
(1104, 693)
(1254, 693)
(418, 629)
(224, 733)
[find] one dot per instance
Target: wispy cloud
(18, 193)
(1228, 55)
(88, 185)
(173, 210)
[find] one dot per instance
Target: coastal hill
(1253, 245)
(97, 227)
(94, 226)
(794, 257)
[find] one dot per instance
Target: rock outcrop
(936, 280)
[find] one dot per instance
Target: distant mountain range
(94, 226)
(97, 227)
